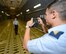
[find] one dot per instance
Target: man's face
(48, 17)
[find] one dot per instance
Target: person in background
(53, 42)
(15, 23)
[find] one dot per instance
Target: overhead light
(2, 11)
(17, 15)
(38, 5)
(27, 10)
(21, 13)
(7, 14)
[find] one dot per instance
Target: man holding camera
(52, 42)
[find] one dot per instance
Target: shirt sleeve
(42, 45)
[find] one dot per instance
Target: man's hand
(40, 21)
(30, 23)
(45, 29)
(27, 33)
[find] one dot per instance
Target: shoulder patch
(56, 34)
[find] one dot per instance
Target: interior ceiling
(31, 3)
(13, 5)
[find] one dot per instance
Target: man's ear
(53, 12)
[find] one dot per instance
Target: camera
(35, 20)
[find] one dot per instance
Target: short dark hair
(60, 6)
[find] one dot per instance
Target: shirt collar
(58, 28)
